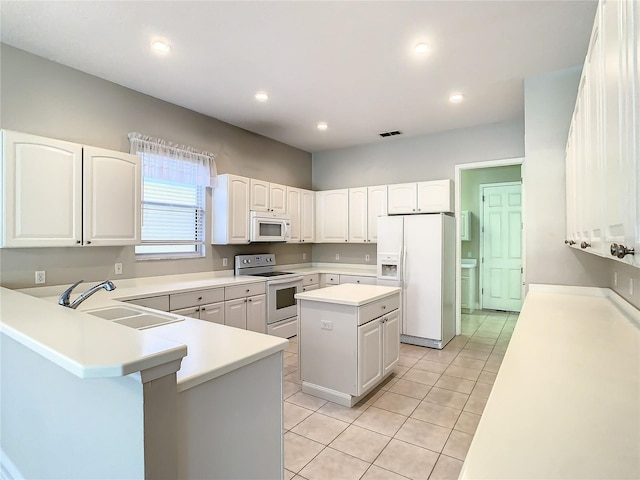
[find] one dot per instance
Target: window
(173, 199)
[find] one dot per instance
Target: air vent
(390, 134)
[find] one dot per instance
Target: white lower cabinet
(247, 313)
(346, 350)
(359, 279)
(213, 312)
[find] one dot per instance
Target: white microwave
(269, 227)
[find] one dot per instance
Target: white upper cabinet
(300, 208)
(307, 216)
(358, 215)
(111, 193)
(603, 180)
(366, 204)
(268, 197)
(332, 216)
(421, 197)
(58, 194)
(230, 222)
(376, 207)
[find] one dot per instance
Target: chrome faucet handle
(64, 298)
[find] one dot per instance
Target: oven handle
(284, 280)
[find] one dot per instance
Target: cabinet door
(358, 215)
(277, 198)
(235, 313)
(42, 191)
(307, 216)
(293, 207)
(435, 196)
(112, 184)
(332, 216)
(259, 195)
(464, 225)
(257, 314)
(390, 341)
(402, 198)
(376, 207)
(238, 210)
(213, 312)
(191, 312)
(369, 355)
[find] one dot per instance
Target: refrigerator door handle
(403, 278)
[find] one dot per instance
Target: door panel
(502, 247)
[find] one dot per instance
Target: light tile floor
(418, 424)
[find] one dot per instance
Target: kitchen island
(349, 340)
(96, 399)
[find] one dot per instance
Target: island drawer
(198, 297)
(378, 308)
(159, 302)
(248, 290)
(311, 279)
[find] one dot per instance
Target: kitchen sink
(134, 318)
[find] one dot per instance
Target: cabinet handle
(585, 245)
(199, 298)
(413, 209)
(384, 307)
(248, 290)
(621, 251)
(202, 309)
(569, 242)
(250, 299)
(88, 242)
(419, 209)
(78, 241)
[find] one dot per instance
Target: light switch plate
(225, 262)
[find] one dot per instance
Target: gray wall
(397, 160)
(45, 98)
(549, 102)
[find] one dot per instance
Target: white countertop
(89, 346)
(566, 401)
(334, 269)
(348, 294)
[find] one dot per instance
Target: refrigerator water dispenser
(388, 267)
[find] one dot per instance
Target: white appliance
(269, 227)
(417, 253)
(282, 306)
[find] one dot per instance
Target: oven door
(281, 301)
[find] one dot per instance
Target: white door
(257, 313)
(390, 341)
(42, 191)
(501, 247)
(111, 189)
(369, 355)
(358, 215)
(376, 207)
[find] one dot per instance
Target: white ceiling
(348, 63)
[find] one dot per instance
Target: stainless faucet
(64, 298)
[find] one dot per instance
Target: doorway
(500, 265)
(468, 178)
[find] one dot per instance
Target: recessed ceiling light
(422, 48)
(456, 97)
(262, 96)
(322, 126)
(160, 46)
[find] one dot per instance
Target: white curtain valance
(177, 163)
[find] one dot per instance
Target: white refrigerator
(417, 253)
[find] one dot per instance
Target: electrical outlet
(41, 276)
(326, 325)
(304, 256)
(225, 262)
(615, 279)
(117, 269)
(367, 258)
(337, 256)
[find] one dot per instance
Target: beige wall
(45, 98)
